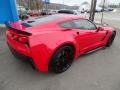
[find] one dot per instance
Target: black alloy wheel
(62, 59)
(111, 39)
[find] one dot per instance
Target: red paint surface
(48, 37)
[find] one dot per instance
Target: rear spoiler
(18, 31)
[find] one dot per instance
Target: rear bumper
(20, 51)
(17, 54)
(21, 56)
(19, 47)
(34, 56)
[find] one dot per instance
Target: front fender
(109, 30)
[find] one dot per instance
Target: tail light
(23, 39)
(18, 35)
(20, 38)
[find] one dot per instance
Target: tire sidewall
(111, 37)
(51, 69)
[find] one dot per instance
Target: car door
(88, 37)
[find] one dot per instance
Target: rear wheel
(62, 59)
(111, 39)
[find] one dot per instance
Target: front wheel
(111, 39)
(62, 59)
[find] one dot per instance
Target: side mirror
(99, 29)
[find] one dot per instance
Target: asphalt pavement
(99, 70)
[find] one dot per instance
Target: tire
(62, 59)
(111, 39)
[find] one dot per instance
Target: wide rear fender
(44, 46)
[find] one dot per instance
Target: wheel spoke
(63, 59)
(63, 62)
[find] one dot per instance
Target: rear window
(41, 20)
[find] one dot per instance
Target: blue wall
(8, 11)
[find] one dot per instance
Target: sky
(78, 2)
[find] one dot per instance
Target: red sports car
(52, 42)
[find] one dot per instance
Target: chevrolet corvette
(52, 43)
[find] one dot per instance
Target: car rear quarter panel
(44, 45)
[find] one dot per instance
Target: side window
(84, 24)
(66, 25)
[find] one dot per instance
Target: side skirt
(94, 50)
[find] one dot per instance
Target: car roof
(54, 19)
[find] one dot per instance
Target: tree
(31, 4)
